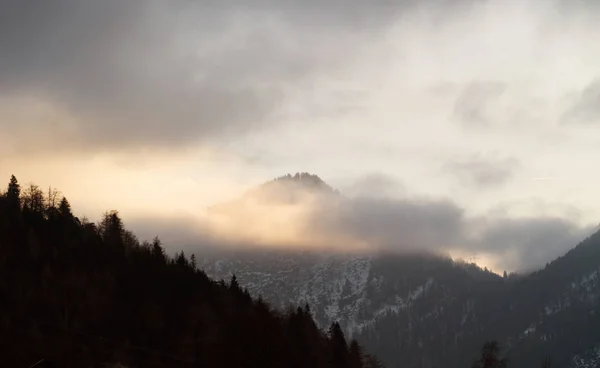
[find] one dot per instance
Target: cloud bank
(109, 75)
(112, 75)
(400, 87)
(333, 222)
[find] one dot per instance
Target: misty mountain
(425, 310)
(284, 190)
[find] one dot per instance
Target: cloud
(123, 73)
(471, 108)
(528, 243)
(586, 108)
(376, 184)
(112, 74)
(393, 224)
(80, 76)
(482, 172)
(310, 220)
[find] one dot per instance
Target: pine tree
(64, 208)
(339, 347)
(13, 196)
(157, 249)
(490, 356)
(111, 228)
(307, 310)
(180, 260)
(371, 361)
(233, 283)
(547, 362)
(355, 355)
(193, 262)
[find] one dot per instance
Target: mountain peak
(284, 190)
(302, 180)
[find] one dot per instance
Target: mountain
(78, 294)
(424, 310)
(284, 190)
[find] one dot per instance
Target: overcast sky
(161, 108)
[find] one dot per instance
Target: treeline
(491, 357)
(81, 294)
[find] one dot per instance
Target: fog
(285, 216)
(454, 125)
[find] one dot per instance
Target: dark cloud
(397, 225)
(528, 243)
(394, 224)
(471, 106)
(127, 72)
(171, 72)
(480, 172)
(515, 243)
(586, 108)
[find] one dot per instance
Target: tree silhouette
(339, 347)
(64, 208)
(355, 354)
(547, 362)
(490, 356)
(13, 197)
(81, 294)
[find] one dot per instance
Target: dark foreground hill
(85, 295)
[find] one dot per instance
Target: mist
(435, 119)
(285, 216)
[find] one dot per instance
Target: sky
(451, 117)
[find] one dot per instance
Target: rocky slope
(416, 310)
(426, 311)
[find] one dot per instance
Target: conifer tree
(64, 208)
(339, 347)
(233, 283)
(111, 228)
(355, 355)
(13, 196)
(193, 261)
(490, 356)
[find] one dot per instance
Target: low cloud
(586, 108)
(482, 172)
(528, 243)
(472, 106)
(372, 224)
(377, 185)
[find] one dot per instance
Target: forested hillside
(417, 311)
(80, 294)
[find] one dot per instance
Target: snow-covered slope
(360, 292)
(344, 288)
(422, 311)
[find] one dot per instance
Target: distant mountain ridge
(417, 310)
